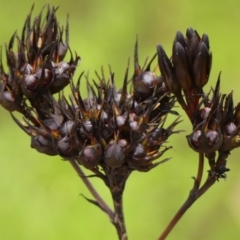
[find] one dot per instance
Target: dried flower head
(189, 70)
(110, 128)
(112, 131)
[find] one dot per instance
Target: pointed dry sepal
(144, 162)
(202, 65)
(168, 72)
(181, 39)
(193, 40)
(182, 66)
(26, 129)
(123, 91)
(228, 109)
(62, 47)
(169, 76)
(237, 114)
(137, 68)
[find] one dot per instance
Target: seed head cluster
(214, 117)
(111, 128)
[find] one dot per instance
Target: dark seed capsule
(44, 76)
(66, 149)
(230, 128)
(123, 143)
(121, 120)
(26, 69)
(29, 83)
(212, 137)
(139, 152)
(195, 138)
(144, 85)
(66, 128)
(114, 155)
(62, 76)
(8, 101)
(133, 122)
(43, 145)
(204, 112)
(90, 156)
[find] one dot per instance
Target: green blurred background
(39, 195)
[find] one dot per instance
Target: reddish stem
(195, 193)
(92, 190)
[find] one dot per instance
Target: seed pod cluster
(189, 70)
(216, 128)
(217, 122)
(110, 128)
(38, 65)
(207, 136)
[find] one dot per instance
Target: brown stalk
(194, 194)
(103, 205)
(117, 180)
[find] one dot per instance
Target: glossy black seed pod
(43, 145)
(90, 156)
(114, 155)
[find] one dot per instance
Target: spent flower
(113, 132)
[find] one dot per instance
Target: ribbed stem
(195, 193)
(92, 190)
(193, 196)
(117, 180)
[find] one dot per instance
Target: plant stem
(198, 179)
(195, 193)
(119, 221)
(117, 180)
(92, 190)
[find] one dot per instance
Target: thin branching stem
(119, 221)
(117, 181)
(194, 194)
(92, 190)
(198, 179)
